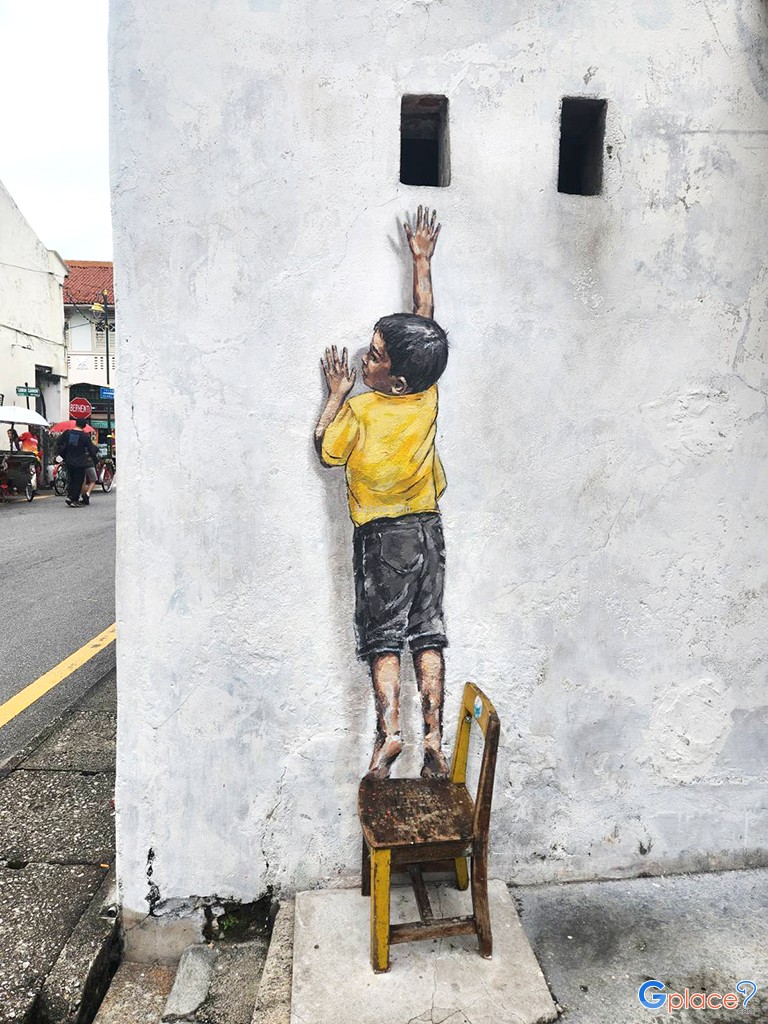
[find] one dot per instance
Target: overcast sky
(53, 121)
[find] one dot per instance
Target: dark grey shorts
(399, 567)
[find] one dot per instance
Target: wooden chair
(414, 822)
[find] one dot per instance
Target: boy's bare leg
(430, 675)
(385, 673)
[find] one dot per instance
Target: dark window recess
(424, 156)
(582, 130)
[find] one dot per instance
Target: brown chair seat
(403, 812)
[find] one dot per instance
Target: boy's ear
(399, 385)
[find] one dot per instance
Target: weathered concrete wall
(31, 311)
(603, 426)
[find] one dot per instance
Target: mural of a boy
(385, 439)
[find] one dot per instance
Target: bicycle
(60, 480)
(105, 474)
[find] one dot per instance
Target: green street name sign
(30, 392)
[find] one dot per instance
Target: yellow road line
(56, 675)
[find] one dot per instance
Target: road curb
(78, 981)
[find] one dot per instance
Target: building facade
(90, 338)
(32, 343)
(599, 170)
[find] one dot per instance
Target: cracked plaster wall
(603, 426)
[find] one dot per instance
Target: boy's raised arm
(422, 241)
(340, 380)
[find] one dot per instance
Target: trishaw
(18, 474)
(19, 470)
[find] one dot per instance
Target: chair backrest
(475, 707)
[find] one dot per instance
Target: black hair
(417, 347)
(80, 423)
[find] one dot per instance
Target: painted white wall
(603, 426)
(31, 312)
(80, 333)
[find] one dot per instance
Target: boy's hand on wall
(423, 238)
(338, 376)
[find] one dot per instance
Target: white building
(32, 346)
(86, 282)
(603, 423)
(90, 337)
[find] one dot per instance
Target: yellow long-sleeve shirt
(387, 443)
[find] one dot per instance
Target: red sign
(80, 408)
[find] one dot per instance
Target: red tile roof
(86, 280)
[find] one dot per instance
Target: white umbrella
(15, 414)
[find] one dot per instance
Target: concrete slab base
(137, 995)
(273, 1004)
(190, 986)
(234, 985)
(443, 981)
(148, 940)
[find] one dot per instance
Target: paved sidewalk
(56, 851)
(597, 942)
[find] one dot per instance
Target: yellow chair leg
(462, 873)
(381, 861)
(365, 888)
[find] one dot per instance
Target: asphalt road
(57, 592)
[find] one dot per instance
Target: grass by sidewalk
(56, 845)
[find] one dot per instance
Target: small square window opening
(424, 155)
(582, 131)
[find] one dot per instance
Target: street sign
(28, 392)
(107, 393)
(80, 408)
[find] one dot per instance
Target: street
(57, 582)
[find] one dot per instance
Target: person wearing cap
(76, 448)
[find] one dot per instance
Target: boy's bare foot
(385, 752)
(435, 765)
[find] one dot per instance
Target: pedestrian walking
(76, 448)
(89, 482)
